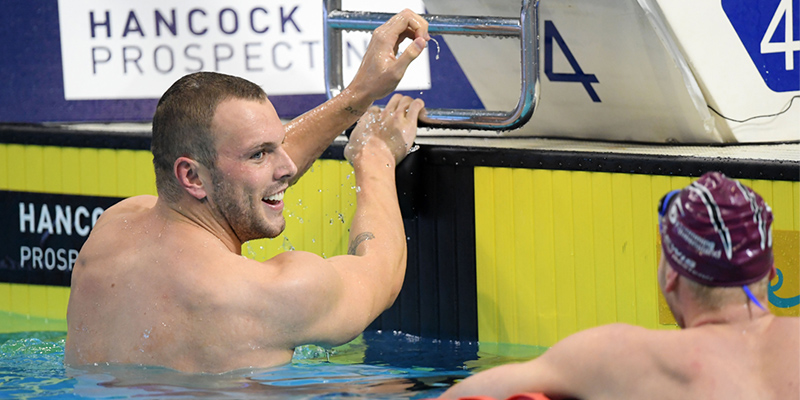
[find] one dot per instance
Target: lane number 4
(788, 46)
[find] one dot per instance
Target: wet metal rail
(525, 28)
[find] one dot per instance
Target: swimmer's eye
(259, 155)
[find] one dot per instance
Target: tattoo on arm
(353, 111)
(360, 238)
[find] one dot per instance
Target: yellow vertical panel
(332, 239)
(56, 302)
(585, 288)
(604, 248)
(348, 200)
(764, 188)
(34, 169)
(5, 296)
(786, 249)
(296, 218)
(644, 214)
(107, 172)
(680, 182)
(782, 207)
(624, 268)
(292, 212)
(293, 203)
(661, 186)
(145, 174)
(20, 302)
(564, 249)
(38, 300)
(70, 170)
(65, 292)
(52, 174)
(4, 171)
(796, 203)
(126, 173)
(16, 167)
(486, 281)
(785, 287)
(504, 254)
(523, 193)
(544, 259)
(313, 215)
(89, 171)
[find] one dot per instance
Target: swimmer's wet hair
(182, 122)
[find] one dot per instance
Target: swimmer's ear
(772, 272)
(191, 176)
(671, 279)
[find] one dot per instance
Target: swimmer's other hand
(393, 128)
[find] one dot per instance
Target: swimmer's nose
(286, 168)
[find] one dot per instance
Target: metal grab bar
(526, 28)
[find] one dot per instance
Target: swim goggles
(663, 205)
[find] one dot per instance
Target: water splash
(437, 47)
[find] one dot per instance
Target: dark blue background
(32, 88)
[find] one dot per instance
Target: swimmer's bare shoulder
(607, 353)
(780, 349)
(131, 205)
(105, 238)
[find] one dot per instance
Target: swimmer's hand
(394, 128)
(381, 68)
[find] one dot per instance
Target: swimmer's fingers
(411, 108)
(381, 69)
(414, 109)
(403, 113)
(411, 53)
(406, 25)
(392, 106)
(394, 128)
(404, 107)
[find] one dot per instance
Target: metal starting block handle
(525, 28)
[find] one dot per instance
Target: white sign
(136, 50)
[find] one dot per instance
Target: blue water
(377, 365)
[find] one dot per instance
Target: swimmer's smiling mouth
(275, 198)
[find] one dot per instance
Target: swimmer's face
(252, 169)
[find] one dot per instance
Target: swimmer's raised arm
(344, 294)
(308, 135)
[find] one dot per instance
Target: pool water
(377, 365)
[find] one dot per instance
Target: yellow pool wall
(556, 251)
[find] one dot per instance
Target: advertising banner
(110, 61)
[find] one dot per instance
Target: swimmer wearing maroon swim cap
(716, 239)
(717, 232)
